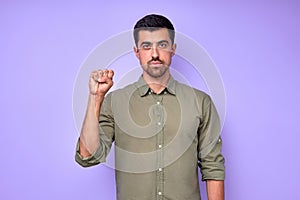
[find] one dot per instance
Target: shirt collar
(144, 88)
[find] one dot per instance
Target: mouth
(156, 63)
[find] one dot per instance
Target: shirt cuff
(213, 171)
(94, 159)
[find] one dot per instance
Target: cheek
(167, 58)
(144, 57)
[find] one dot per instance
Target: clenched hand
(100, 82)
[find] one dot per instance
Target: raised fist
(101, 81)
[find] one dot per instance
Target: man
(162, 129)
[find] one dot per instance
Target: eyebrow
(146, 42)
(159, 42)
(163, 41)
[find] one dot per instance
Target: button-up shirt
(160, 140)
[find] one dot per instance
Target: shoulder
(190, 91)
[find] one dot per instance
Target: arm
(215, 190)
(210, 156)
(99, 84)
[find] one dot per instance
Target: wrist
(95, 101)
(97, 96)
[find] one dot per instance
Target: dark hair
(153, 22)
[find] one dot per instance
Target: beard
(156, 71)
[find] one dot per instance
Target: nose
(154, 52)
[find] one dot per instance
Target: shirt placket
(159, 116)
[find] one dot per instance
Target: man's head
(151, 23)
(154, 39)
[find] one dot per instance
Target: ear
(173, 49)
(136, 52)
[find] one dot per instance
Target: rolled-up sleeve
(106, 136)
(211, 160)
(94, 159)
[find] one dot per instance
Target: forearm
(89, 136)
(215, 189)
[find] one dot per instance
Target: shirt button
(159, 193)
(159, 123)
(160, 146)
(160, 169)
(158, 102)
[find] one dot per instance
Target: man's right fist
(101, 81)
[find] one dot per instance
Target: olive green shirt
(160, 140)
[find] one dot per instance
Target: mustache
(155, 59)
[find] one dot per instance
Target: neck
(157, 85)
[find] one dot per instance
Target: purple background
(255, 45)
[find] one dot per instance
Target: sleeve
(211, 160)
(106, 136)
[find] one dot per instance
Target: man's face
(154, 51)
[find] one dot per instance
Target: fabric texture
(159, 141)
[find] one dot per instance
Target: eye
(163, 45)
(146, 46)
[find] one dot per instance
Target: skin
(154, 51)
(99, 84)
(215, 190)
(156, 61)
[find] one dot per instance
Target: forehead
(154, 36)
